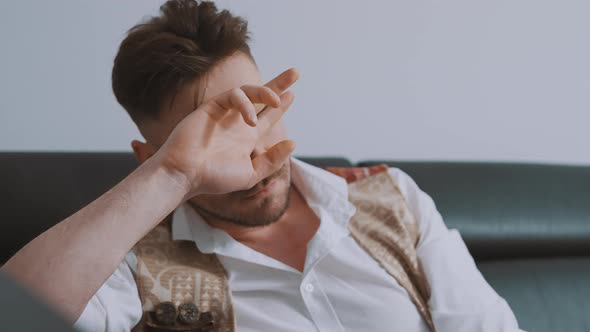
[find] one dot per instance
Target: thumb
(271, 161)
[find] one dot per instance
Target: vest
(182, 289)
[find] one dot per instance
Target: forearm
(68, 263)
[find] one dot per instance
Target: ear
(142, 151)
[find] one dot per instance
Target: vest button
(188, 313)
(206, 319)
(165, 313)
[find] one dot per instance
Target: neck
(286, 239)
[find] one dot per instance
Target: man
(277, 242)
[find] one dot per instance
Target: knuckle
(236, 92)
(269, 92)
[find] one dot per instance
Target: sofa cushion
(546, 295)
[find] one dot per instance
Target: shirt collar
(323, 191)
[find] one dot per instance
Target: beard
(239, 209)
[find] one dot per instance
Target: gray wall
(461, 80)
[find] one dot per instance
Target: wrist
(179, 182)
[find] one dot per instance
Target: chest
(337, 288)
(344, 290)
(287, 241)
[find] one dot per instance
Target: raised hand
(211, 147)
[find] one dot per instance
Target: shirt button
(309, 287)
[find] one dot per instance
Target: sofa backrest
(528, 228)
(510, 210)
(503, 210)
(527, 225)
(39, 189)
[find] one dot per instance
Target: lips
(259, 188)
(265, 184)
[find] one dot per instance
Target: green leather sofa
(527, 225)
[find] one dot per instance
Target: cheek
(212, 202)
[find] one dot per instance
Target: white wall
(461, 80)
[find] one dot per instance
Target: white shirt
(342, 288)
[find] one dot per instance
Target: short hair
(180, 45)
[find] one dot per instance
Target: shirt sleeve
(116, 306)
(461, 299)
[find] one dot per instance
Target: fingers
(270, 116)
(280, 84)
(264, 95)
(271, 161)
(242, 100)
(283, 81)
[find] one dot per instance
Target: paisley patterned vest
(182, 289)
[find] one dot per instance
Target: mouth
(261, 190)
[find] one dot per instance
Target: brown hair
(160, 55)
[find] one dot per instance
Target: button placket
(318, 304)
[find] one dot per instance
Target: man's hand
(210, 149)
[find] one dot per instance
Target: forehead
(232, 72)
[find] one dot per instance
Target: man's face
(266, 201)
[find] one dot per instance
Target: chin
(265, 210)
(248, 212)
